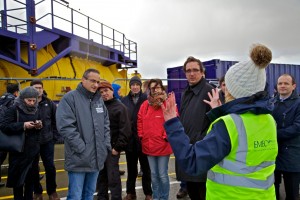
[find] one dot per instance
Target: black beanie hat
(29, 92)
(135, 79)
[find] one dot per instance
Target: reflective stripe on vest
(240, 180)
(238, 167)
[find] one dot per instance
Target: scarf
(26, 108)
(156, 99)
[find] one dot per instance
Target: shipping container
(216, 68)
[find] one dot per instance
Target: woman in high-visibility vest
(241, 145)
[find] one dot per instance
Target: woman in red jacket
(154, 138)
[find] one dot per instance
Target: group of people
(30, 112)
(107, 126)
(232, 143)
(250, 141)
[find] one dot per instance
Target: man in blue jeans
(83, 121)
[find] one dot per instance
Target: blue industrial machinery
(28, 26)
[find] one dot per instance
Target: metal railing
(59, 16)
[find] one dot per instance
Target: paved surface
(62, 178)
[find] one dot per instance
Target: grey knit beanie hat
(29, 92)
(249, 77)
(135, 79)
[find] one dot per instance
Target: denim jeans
(159, 176)
(82, 185)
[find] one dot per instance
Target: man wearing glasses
(83, 121)
(194, 120)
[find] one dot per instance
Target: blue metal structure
(34, 25)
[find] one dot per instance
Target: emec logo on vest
(264, 144)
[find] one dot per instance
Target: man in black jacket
(120, 131)
(47, 110)
(6, 101)
(133, 102)
(222, 89)
(195, 122)
(287, 115)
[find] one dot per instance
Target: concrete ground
(62, 178)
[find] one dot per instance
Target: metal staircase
(27, 26)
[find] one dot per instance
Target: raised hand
(214, 98)
(169, 110)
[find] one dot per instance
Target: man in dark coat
(133, 101)
(287, 115)
(120, 131)
(193, 117)
(47, 110)
(7, 100)
(222, 89)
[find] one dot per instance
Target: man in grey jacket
(83, 121)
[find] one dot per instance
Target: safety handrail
(107, 35)
(17, 26)
(19, 2)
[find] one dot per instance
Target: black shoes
(122, 172)
(181, 193)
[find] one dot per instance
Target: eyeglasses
(153, 88)
(189, 71)
(93, 81)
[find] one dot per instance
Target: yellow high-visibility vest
(247, 172)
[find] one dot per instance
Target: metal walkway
(27, 26)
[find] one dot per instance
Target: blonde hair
(228, 97)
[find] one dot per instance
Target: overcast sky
(168, 31)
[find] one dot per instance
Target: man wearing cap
(120, 131)
(82, 119)
(240, 147)
(133, 101)
(287, 115)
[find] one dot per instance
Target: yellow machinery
(62, 76)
